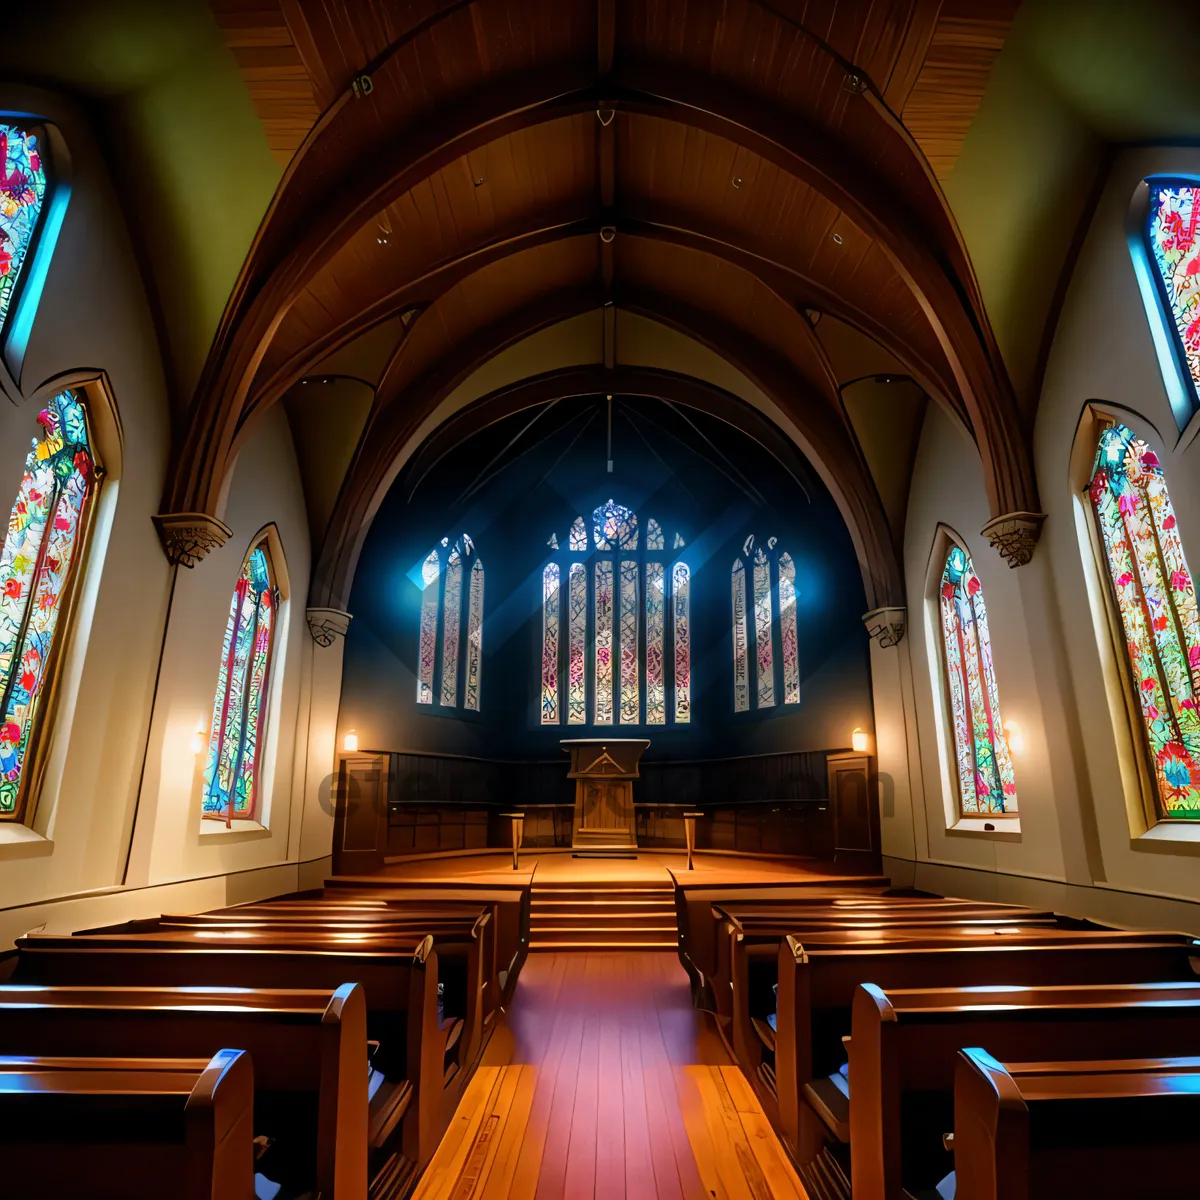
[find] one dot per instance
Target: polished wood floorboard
(605, 1083)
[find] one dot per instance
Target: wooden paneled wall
(765, 803)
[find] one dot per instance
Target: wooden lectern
(604, 770)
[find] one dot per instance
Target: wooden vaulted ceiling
(733, 168)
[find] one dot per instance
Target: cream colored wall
(1055, 666)
(97, 809)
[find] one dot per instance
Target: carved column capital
(1014, 535)
(187, 537)
(886, 625)
(327, 624)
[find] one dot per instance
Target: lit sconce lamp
(350, 742)
(858, 741)
(198, 738)
(1016, 737)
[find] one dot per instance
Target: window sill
(19, 841)
(239, 831)
(1006, 829)
(1169, 837)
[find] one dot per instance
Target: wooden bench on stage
(127, 1129)
(1104, 1130)
(398, 973)
(309, 1051)
(900, 1097)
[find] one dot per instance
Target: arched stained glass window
(631, 609)
(38, 569)
(986, 785)
(239, 721)
(1155, 596)
(550, 608)
(1172, 235)
(443, 595)
(22, 197)
(767, 590)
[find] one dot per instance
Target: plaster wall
(1056, 669)
(117, 815)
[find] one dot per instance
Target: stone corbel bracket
(188, 537)
(886, 625)
(327, 624)
(1014, 535)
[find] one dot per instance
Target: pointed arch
(741, 666)
(550, 626)
(788, 638)
(764, 620)
(986, 785)
(427, 645)
(237, 738)
(452, 600)
(1154, 594)
(39, 570)
(474, 636)
(681, 600)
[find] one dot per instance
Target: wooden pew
(1105, 1130)
(463, 933)
(127, 1129)
(816, 986)
(904, 1046)
(309, 1049)
(399, 979)
(460, 939)
(510, 910)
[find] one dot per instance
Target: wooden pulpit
(604, 770)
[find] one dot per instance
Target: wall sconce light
(198, 738)
(350, 742)
(1016, 737)
(858, 741)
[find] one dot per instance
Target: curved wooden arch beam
(927, 254)
(823, 438)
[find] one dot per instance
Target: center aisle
(608, 1084)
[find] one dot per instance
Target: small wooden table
(689, 833)
(518, 833)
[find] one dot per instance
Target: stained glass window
(576, 645)
(789, 646)
(763, 621)
(38, 566)
(22, 193)
(474, 636)
(656, 699)
(1172, 225)
(603, 709)
(680, 594)
(612, 585)
(451, 618)
(630, 695)
(427, 647)
(741, 666)
(986, 785)
(550, 619)
(239, 720)
(1156, 598)
(442, 579)
(615, 527)
(765, 588)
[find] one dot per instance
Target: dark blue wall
(693, 474)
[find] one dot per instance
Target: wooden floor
(606, 1083)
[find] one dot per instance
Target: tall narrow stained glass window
(1155, 597)
(452, 576)
(22, 197)
(39, 566)
(628, 658)
(1172, 235)
(237, 740)
(550, 644)
(986, 784)
(765, 644)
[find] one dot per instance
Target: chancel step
(620, 916)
